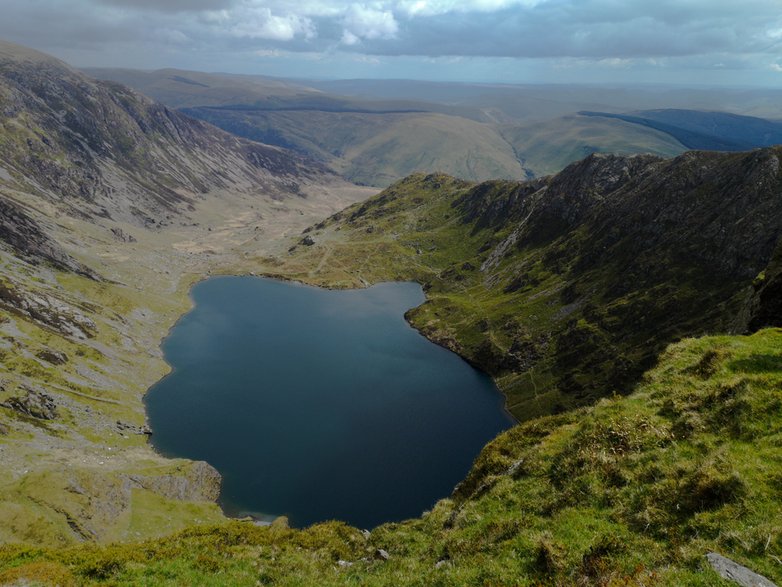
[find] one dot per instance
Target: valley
(627, 306)
(108, 220)
(374, 132)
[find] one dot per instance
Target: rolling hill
(377, 132)
(717, 131)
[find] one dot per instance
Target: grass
(633, 491)
(377, 149)
(548, 147)
(555, 327)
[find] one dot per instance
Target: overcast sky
(693, 42)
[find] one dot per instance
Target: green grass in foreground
(633, 491)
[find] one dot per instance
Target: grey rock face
(727, 569)
(35, 404)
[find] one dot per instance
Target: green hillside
(565, 289)
(634, 491)
(378, 148)
(550, 146)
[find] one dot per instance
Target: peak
(13, 52)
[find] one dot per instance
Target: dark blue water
(319, 404)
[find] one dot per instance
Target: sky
(681, 42)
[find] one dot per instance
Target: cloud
(610, 34)
(261, 23)
(170, 5)
(363, 22)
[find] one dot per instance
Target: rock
(53, 357)
(200, 481)
(133, 429)
(122, 236)
(381, 554)
(344, 564)
(48, 311)
(3, 429)
(35, 404)
(366, 534)
(440, 564)
(307, 241)
(727, 569)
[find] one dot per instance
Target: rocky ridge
(567, 288)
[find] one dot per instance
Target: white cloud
(261, 23)
(349, 38)
(437, 7)
(368, 22)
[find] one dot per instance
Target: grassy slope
(548, 147)
(633, 491)
(554, 324)
(377, 149)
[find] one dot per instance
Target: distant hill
(549, 146)
(716, 131)
(374, 132)
(177, 88)
(377, 148)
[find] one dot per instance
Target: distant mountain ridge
(717, 131)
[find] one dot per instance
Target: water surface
(319, 404)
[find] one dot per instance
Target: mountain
(716, 131)
(595, 267)
(377, 148)
(111, 206)
(565, 289)
(549, 146)
(377, 132)
(181, 89)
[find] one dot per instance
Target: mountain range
(627, 306)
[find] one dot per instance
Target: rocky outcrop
(47, 311)
(35, 404)
(199, 481)
(766, 305)
(28, 239)
(731, 571)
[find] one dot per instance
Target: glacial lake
(319, 404)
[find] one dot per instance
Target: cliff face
(567, 288)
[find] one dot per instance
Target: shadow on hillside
(758, 363)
